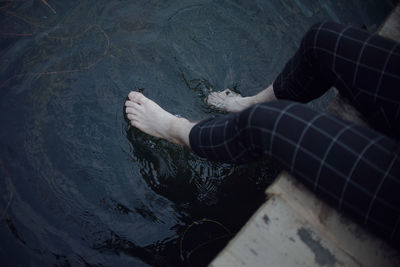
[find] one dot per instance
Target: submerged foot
(228, 100)
(150, 118)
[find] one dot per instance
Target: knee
(308, 40)
(271, 114)
(257, 124)
(260, 116)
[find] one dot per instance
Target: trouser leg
(354, 168)
(364, 67)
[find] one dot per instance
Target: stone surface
(294, 228)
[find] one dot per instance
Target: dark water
(78, 185)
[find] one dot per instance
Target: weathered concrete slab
(293, 228)
(391, 27)
(341, 107)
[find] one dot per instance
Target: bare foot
(228, 100)
(150, 118)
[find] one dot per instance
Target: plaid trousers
(355, 169)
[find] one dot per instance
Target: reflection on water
(78, 185)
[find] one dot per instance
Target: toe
(137, 97)
(130, 110)
(215, 102)
(227, 91)
(211, 98)
(216, 95)
(129, 103)
(133, 123)
(230, 93)
(131, 95)
(223, 94)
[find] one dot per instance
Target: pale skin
(150, 118)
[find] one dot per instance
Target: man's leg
(364, 67)
(354, 168)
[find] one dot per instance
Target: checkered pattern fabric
(356, 169)
(364, 67)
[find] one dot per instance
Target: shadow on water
(78, 185)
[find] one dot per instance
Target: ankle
(266, 95)
(179, 131)
(253, 100)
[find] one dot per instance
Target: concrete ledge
(391, 27)
(294, 228)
